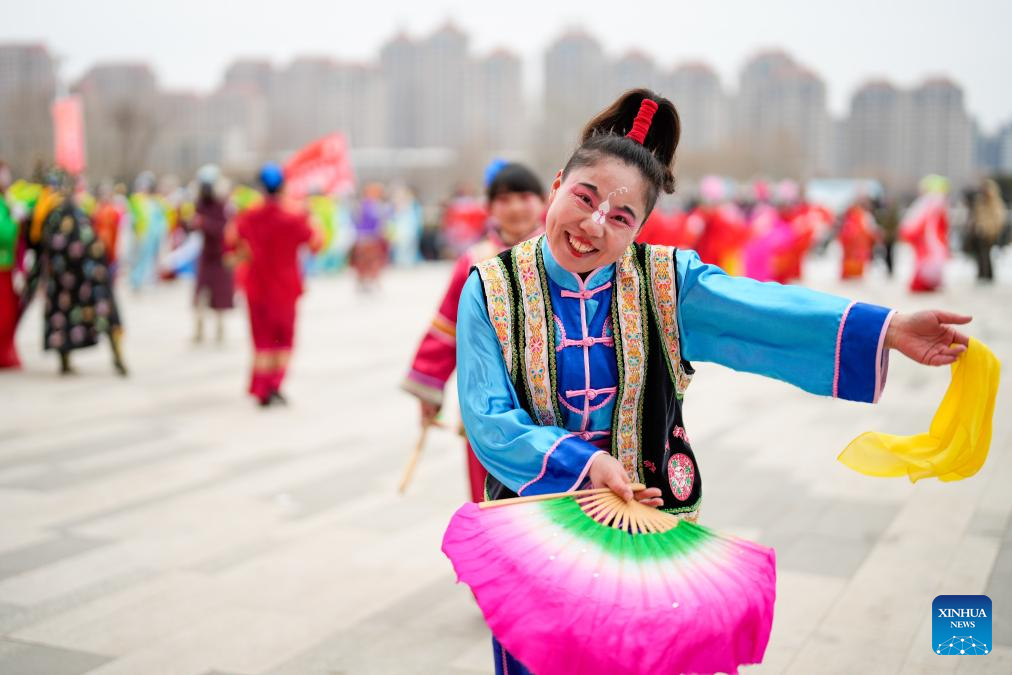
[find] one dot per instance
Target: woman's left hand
(928, 337)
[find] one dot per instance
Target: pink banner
(68, 128)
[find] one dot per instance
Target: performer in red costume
(270, 236)
(516, 202)
(858, 235)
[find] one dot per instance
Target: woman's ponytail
(607, 133)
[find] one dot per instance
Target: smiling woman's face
(580, 242)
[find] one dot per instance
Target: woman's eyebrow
(591, 187)
(627, 210)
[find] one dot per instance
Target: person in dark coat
(215, 287)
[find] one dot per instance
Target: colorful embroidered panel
(498, 300)
(538, 354)
(631, 349)
(660, 263)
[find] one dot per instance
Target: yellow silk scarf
(958, 441)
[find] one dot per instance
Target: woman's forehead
(608, 177)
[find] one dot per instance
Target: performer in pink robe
(926, 227)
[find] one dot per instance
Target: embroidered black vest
(648, 435)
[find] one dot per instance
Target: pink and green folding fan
(584, 582)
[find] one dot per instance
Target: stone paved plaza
(163, 524)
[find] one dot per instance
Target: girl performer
(576, 347)
(270, 236)
(516, 203)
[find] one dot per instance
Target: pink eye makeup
(622, 216)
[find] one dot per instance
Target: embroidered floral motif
(681, 476)
(537, 360)
(660, 260)
(500, 311)
(679, 432)
(632, 363)
(650, 465)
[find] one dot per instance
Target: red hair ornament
(641, 125)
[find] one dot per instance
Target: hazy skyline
(189, 43)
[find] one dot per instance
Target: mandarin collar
(570, 280)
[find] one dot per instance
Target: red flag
(68, 126)
(321, 167)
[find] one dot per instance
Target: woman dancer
(575, 347)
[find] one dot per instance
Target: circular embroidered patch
(681, 475)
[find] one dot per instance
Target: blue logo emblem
(961, 625)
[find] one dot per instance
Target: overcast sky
(190, 42)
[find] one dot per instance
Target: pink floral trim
(882, 360)
(562, 333)
(839, 342)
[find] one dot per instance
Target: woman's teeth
(580, 247)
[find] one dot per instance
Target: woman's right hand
(606, 471)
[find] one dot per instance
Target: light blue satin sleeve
(819, 342)
(526, 457)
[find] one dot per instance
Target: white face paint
(601, 215)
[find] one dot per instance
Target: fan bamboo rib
(607, 508)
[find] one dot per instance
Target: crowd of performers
(767, 234)
(73, 245)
